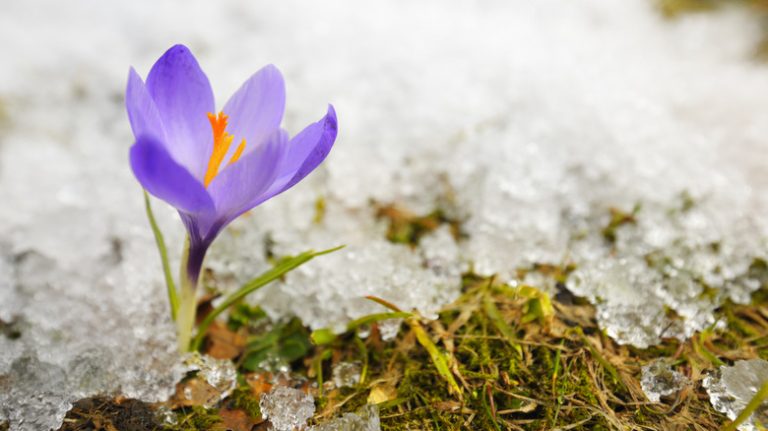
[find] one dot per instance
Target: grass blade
(441, 364)
(377, 317)
(502, 326)
(384, 303)
(173, 296)
(273, 274)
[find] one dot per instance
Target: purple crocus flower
(213, 167)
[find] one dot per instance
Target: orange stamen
(221, 142)
(238, 152)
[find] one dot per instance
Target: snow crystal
(730, 388)
(660, 380)
(526, 123)
(219, 373)
(287, 408)
(365, 419)
(346, 374)
(389, 328)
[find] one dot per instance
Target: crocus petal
(142, 112)
(243, 184)
(183, 97)
(256, 109)
(306, 151)
(166, 179)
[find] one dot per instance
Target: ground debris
(110, 414)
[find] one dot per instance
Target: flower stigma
(221, 142)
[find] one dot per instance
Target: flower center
(221, 142)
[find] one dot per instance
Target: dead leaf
(224, 343)
(194, 392)
(447, 406)
(236, 420)
(382, 393)
(260, 383)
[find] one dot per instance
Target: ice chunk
(221, 374)
(346, 374)
(389, 328)
(365, 419)
(660, 380)
(286, 408)
(42, 388)
(730, 388)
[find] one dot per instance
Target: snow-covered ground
(525, 120)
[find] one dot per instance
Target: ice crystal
(346, 374)
(389, 328)
(219, 373)
(660, 380)
(365, 419)
(730, 388)
(286, 408)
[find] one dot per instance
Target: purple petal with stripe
(142, 111)
(166, 179)
(256, 109)
(306, 151)
(183, 97)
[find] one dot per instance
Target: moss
(618, 219)
(242, 398)
(194, 418)
(408, 228)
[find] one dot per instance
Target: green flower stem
(185, 321)
(273, 274)
(173, 297)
